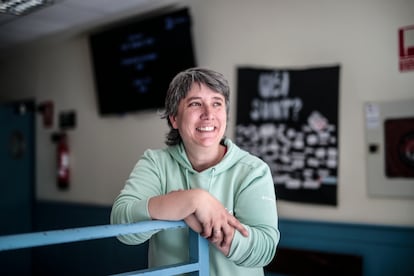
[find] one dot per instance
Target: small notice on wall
(372, 115)
(406, 48)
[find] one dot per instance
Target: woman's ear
(173, 121)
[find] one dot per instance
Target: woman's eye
(194, 104)
(217, 104)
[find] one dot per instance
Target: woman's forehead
(202, 90)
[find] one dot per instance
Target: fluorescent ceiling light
(20, 7)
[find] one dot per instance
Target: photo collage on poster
(289, 118)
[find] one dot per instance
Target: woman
(222, 192)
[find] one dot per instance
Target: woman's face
(201, 118)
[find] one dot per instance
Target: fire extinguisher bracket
(56, 136)
(67, 119)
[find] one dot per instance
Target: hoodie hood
(232, 156)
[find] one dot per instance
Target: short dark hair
(179, 88)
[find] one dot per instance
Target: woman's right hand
(193, 223)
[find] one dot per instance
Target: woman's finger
(238, 226)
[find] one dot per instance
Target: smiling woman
(201, 122)
(203, 178)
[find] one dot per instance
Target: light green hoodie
(241, 182)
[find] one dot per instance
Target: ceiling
(67, 16)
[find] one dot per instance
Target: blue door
(17, 178)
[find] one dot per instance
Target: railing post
(199, 252)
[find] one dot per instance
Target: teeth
(206, 128)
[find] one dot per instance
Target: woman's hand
(217, 224)
(193, 223)
(217, 237)
(202, 212)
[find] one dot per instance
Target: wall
(360, 36)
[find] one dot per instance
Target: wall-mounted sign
(406, 48)
(289, 118)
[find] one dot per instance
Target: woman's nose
(207, 112)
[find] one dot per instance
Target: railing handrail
(198, 246)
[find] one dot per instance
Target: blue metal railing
(198, 263)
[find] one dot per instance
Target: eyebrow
(199, 98)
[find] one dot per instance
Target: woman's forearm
(176, 205)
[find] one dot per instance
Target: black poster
(289, 118)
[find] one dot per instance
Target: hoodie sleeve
(255, 207)
(131, 205)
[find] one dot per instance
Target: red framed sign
(406, 48)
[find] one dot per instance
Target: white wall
(359, 35)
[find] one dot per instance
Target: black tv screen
(134, 63)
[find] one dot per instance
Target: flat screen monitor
(134, 63)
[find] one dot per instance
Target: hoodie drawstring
(210, 181)
(187, 185)
(213, 170)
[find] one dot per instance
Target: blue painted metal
(198, 246)
(199, 253)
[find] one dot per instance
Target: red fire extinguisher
(63, 170)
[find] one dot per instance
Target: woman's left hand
(216, 238)
(221, 241)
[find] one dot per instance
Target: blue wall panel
(95, 257)
(386, 250)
